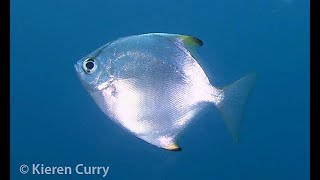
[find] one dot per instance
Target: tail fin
(232, 101)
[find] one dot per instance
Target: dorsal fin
(188, 41)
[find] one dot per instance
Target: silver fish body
(153, 86)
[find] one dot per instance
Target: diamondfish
(153, 86)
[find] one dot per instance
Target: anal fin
(173, 147)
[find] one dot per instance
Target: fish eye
(89, 65)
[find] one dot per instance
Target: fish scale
(153, 86)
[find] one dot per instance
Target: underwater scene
(160, 90)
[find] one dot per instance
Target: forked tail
(231, 100)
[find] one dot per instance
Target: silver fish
(153, 86)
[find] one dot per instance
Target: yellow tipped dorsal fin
(188, 41)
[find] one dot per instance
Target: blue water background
(55, 122)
